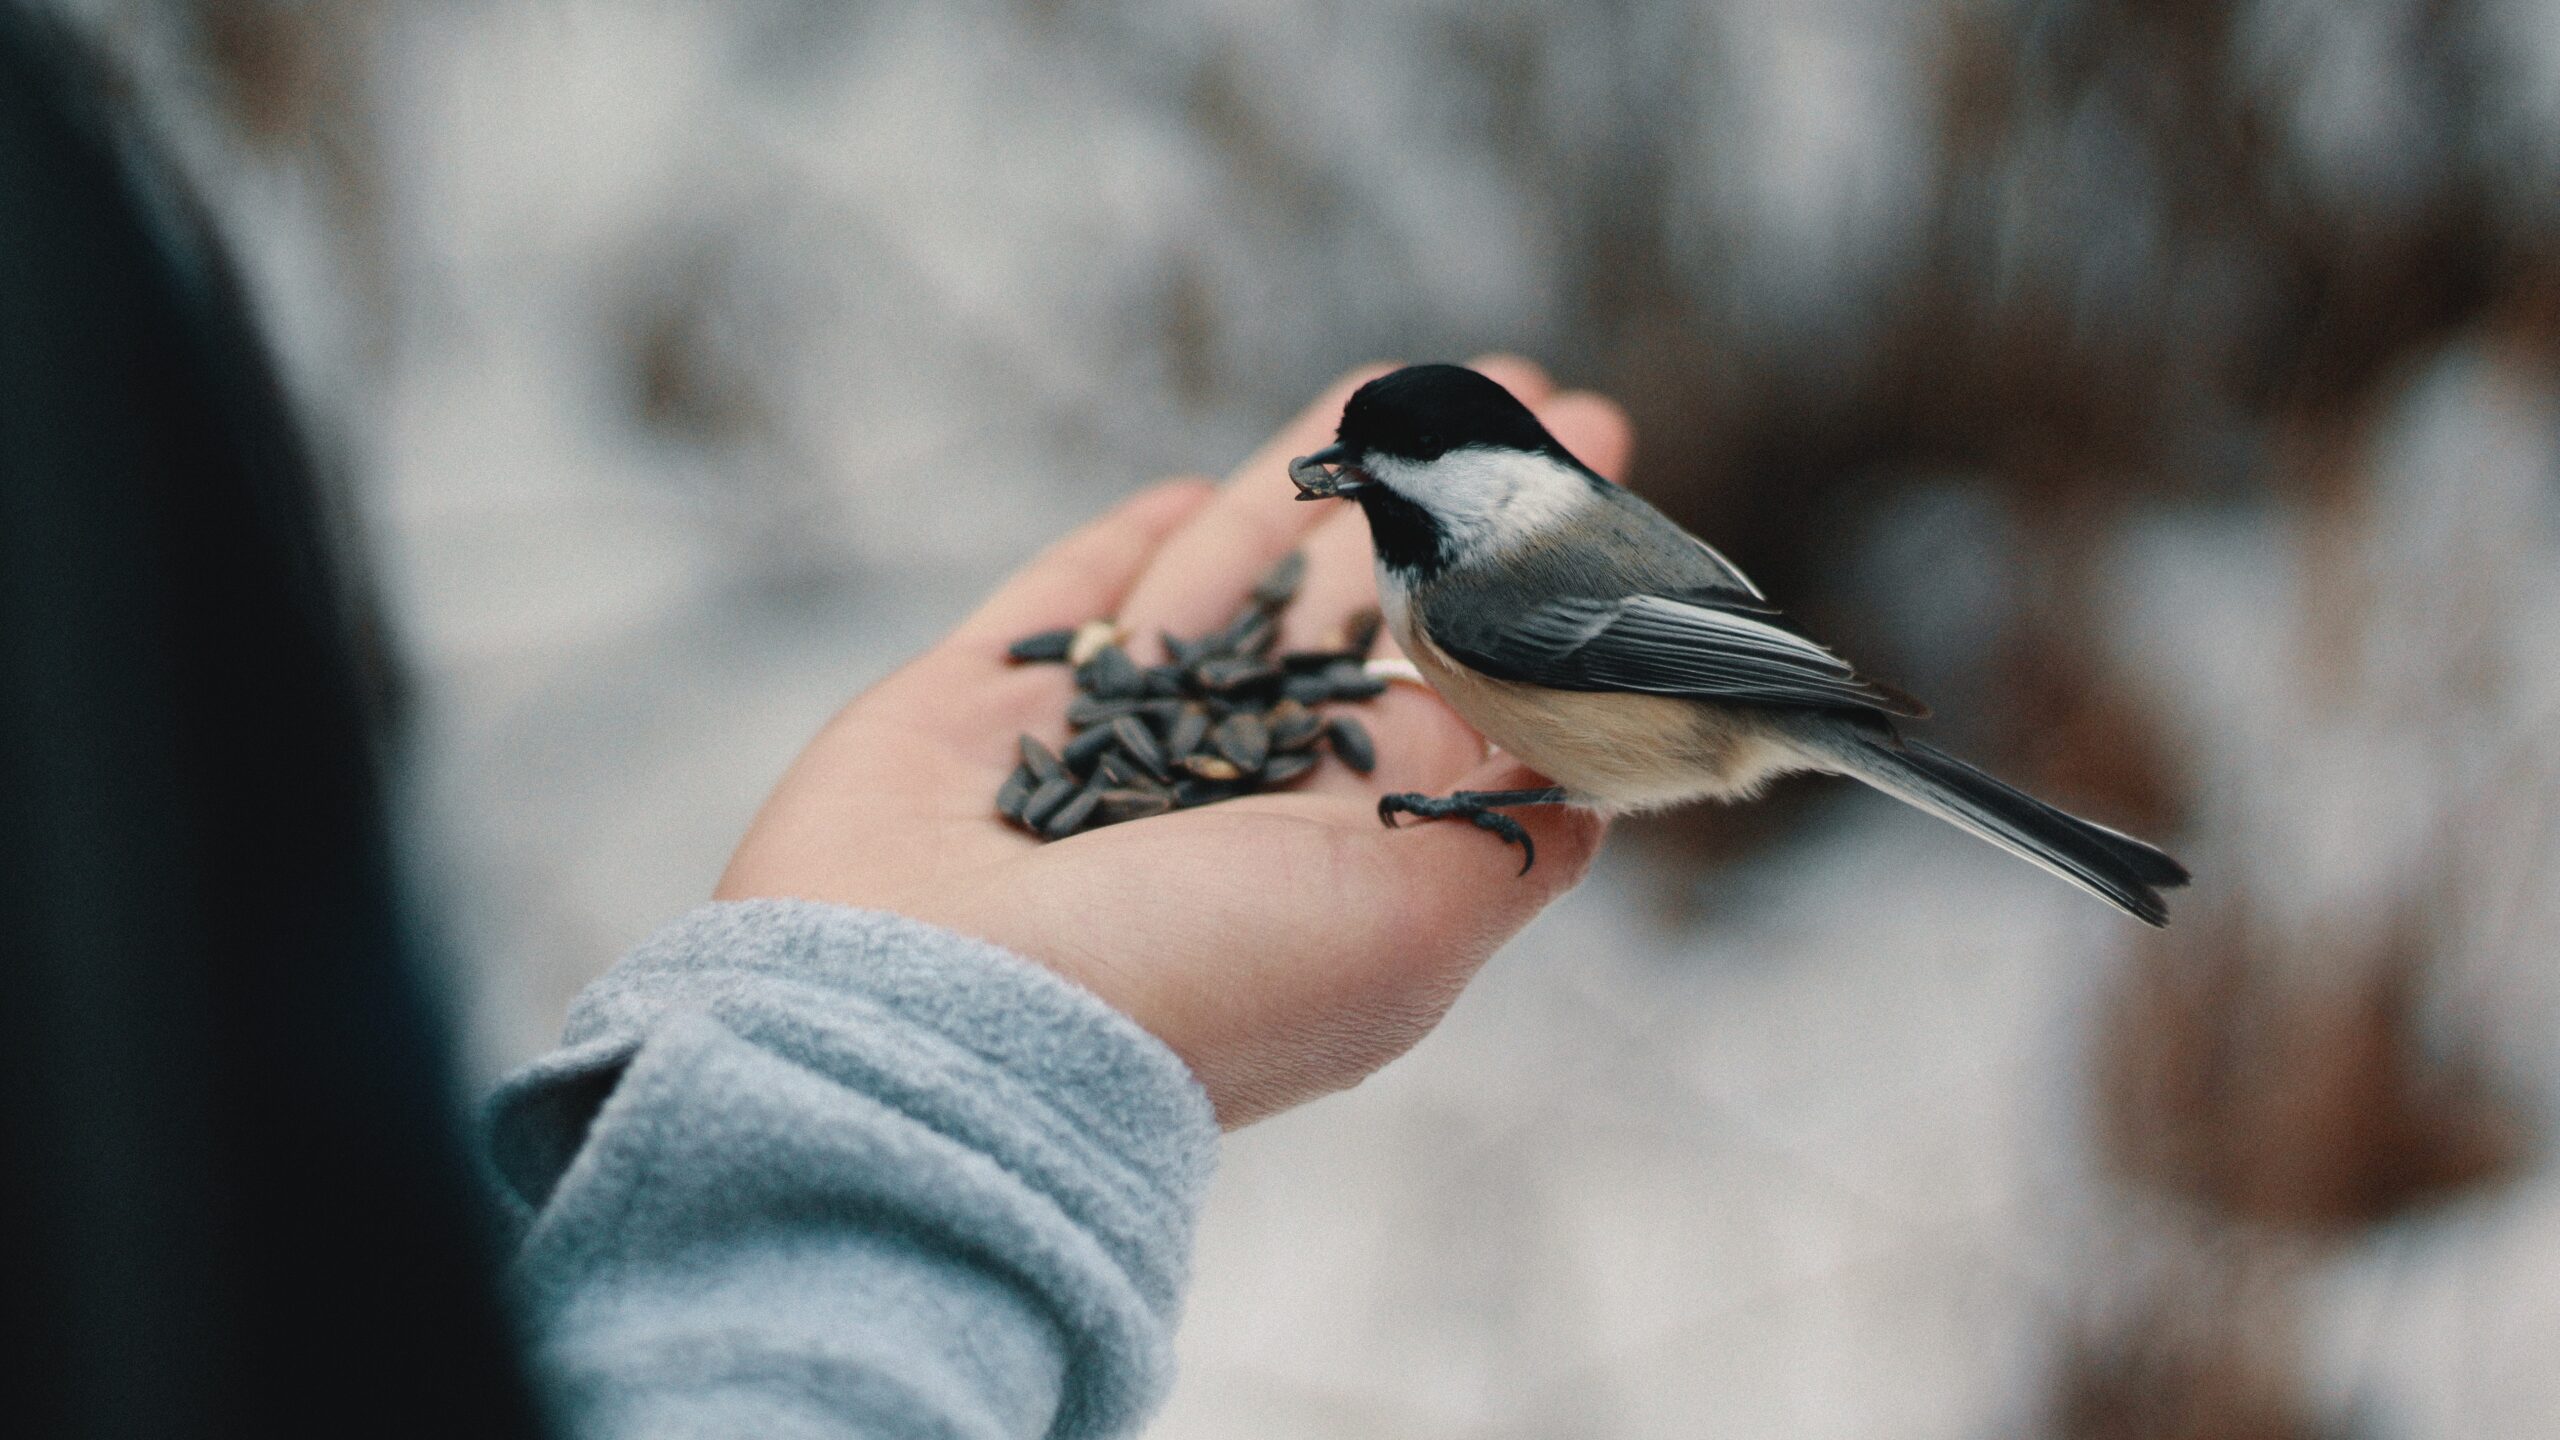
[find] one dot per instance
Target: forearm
(813, 1171)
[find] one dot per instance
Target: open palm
(1285, 944)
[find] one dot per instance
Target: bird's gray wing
(1706, 645)
(1728, 574)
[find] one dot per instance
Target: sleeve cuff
(1095, 1121)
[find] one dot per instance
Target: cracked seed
(1090, 638)
(1211, 767)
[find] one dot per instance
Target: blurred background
(2170, 389)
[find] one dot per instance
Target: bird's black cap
(1423, 412)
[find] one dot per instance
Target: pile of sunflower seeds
(1224, 716)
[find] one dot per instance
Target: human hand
(1284, 945)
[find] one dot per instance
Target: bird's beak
(1315, 482)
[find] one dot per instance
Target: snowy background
(2170, 391)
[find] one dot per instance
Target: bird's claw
(1460, 807)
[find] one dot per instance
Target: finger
(1088, 573)
(1194, 583)
(1594, 428)
(1524, 378)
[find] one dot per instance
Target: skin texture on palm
(1285, 945)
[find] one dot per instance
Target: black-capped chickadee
(1582, 631)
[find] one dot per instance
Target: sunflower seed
(1190, 791)
(1306, 689)
(1360, 632)
(1348, 681)
(1277, 588)
(1250, 633)
(1111, 675)
(1139, 744)
(1227, 715)
(1046, 800)
(1122, 773)
(1047, 645)
(1190, 726)
(1211, 767)
(1120, 805)
(1085, 710)
(1293, 726)
(1043, 765)
(1088, 747)
(1351, 741)
(1285, 768)
(1227, 674)
(1071, 817)
(1015, 791)
(1244, 740)
(1090, 639)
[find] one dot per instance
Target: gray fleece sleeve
(799, 1170)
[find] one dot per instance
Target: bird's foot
(1480, 808)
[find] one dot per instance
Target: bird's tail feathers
(2116, 868)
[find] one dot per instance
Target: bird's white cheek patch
(1486, 500)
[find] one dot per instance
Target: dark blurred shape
(238, 1204)
(2287, 1101)
(2208, 1354)
(2274, 1087)
(686, 378)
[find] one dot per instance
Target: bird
(1622, 658)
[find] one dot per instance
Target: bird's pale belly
(1614, 751)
